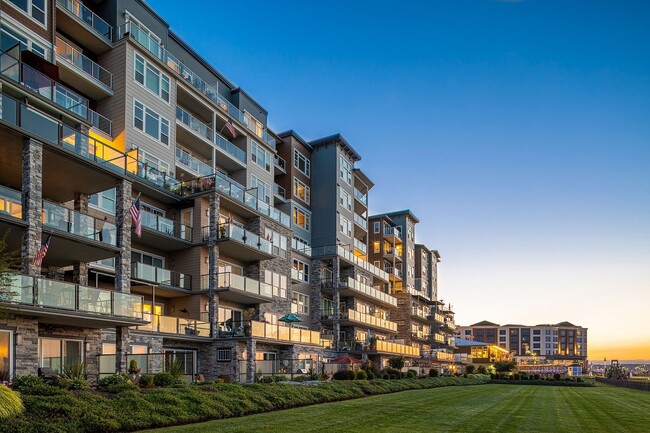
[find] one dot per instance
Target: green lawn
(481, 408)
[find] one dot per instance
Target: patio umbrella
(346, 359)
(290, 318)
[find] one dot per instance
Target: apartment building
(560, 342)
(423, 321)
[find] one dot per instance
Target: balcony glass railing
(89, 18)
(143, 37)
(166, 277)
(283, 333)
(361, 246)
(361, 221)
(41, 84)
(61, 295)
(358, 286)
(278, 191)
(396, 348)
(420, 312)
(191, 162)
(226, 186)
(166, 226)
(230, 148)
(339, 250)
(239, 234)
(363, 198)
(230, 281)
(280, 163)
(393, 270)
(363, 318)
(193, 123)
(11, 202)
(438, 355)
(438, 337)
(392, 231)
(175, 325)
(89, 68)
(63, 219)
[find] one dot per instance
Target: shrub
(433, 372)
(145, 381)
(76, 383)
(385, 376)
(470, 369)
(411, 374)
(481, 369)
(122, 387)
(517, 376)
(371, 376)
(535, 376)
(280, 378)
(393, 377)
(10, 403)
(75, 371)
(266, 379)
(360, 375)
(557, 376)
(34, 385)
(133, 367)
(504, 366)
(166, 379)
(175, 368)
(114, 379)
(579, 379)
(396, 362)
(301, 378)
(344, 375)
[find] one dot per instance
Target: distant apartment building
(106, 110)
(562, 341)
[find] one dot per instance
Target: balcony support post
(32, 188)
(80, 269)
(123, 199)
(336, 300)
(213, 266)
(251, 348)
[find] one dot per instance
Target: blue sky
(517, 131)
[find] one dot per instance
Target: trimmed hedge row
(91, 411)
(543, 382)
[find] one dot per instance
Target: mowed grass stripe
(481, 408)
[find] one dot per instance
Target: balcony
(333, 250)
(64, 303)
(235, 157)
(237, 288)
(449, 326)
(279, 194)
(437, 355)
(361, 197)
(393, 235)
(352, 317)
(392, 253)
(396, 348)
(95, 81)
(239, 243)
(11, 202)
(438, 318)
(438, 338)
(176, 326)
(361, 221)
(420, 313)
(160, 276)
(191, 163)
(394, 272)
(164, 233)
(193, 124)
(280, 164)
(353, 288)
(282, 333)
(82, 24)
(133, 31)
(235, 191)
(360, 246)
(43, 86)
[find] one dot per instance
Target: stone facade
(32, 179)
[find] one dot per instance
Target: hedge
(10, 404)
(87, 411)
(543, 382)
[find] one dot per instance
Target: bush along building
(158, 219)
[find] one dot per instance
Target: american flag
(42, 251)
(231, 129)
(136, 217)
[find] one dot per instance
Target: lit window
(301, 191)
(301, 218)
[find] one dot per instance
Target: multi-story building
(562, 342)
(106, 110)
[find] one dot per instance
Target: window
(301, 162)
(345, 170)
(104, 201)
(263, 189)
(6, 355)
(301, 218)
(224, 355)
(302, 301)
(300, 271)
(301, 191)
(278, 240)
(278, 282)
(33, 8)
(537, 331)
(377, 227)
(253, 124)
(11, 37)
(151, 78)
(260, 156)
(344, 226)
(58, 354)
(344, 199)
(377, 264)
(300, 244)
(375, 247)
(150, 122)
(502, 332)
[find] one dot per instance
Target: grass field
(481, 408)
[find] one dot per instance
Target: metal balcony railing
(89, 18)
(66, 220)
(166, 277)
(85, 65)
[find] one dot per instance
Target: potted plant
(134, 370)
(248, 315)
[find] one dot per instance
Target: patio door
(6, 355)
(186, 224)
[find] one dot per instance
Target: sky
(517, 131)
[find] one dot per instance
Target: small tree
(504, 366)
(470, 369)
(396, 362)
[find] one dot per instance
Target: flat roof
(398, 213)
(338, 138)
(295, 135)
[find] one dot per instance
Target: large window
(150, 122)
(302, 163)
(345, 170)
(301, 191)
(150, 77)
(301, 271)
(263, 189)
(33, 8)
(301, 218)
(260, 156)
(278, 240)
(104, 201)
(57, 354)
(11, 37)
(345, 226)
(152, 162)
(302, 301)
(279, 283)
(6, 355)
(253, 124)
(344, 199)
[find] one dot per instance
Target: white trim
(144, 78)
(28, 15)
(307, 189)
(144, 123)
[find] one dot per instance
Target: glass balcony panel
(20, 289)
(93, 300)
(73, 56)
(56, 294)
(11, 202)
(88, 17)
(230, 148)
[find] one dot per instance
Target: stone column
(32, 185)
(80, 269)
(336, 299)
(213, 266)
(122, 266)
(251, 348)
